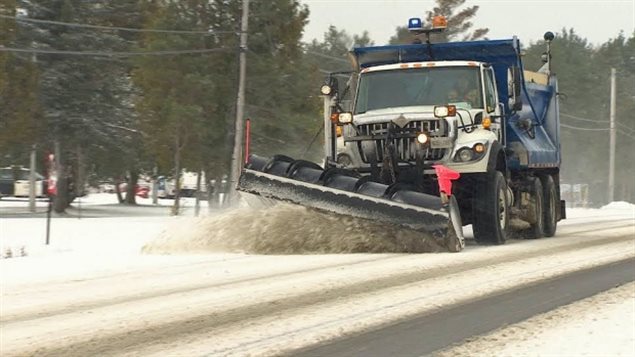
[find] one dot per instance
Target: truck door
(492, 109)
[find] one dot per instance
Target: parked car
(106, 186)
(6, 182)
(22, 184)
(167, 186)
(15, 181)
(141, 190)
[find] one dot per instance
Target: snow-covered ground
(95, 199)
(95, 274)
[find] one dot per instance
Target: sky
(595, 20)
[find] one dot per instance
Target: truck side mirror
(514, 83)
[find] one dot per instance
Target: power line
(626, 134)
(626, 127)
(583, 119)
(597, 129)
(113, 54)
(327, 56)
(322, 70)
(115, 28)
(587, 129)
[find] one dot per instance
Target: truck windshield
(419, 86)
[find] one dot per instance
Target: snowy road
(431, 332)
(236, 304)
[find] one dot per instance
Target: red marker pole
(51, 190)
(247, 139)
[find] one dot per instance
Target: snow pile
(287, 229)
(619, 205)
(608, 212)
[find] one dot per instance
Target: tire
(490, 209)
(537, 228)
(550, 205)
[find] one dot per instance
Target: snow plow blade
(345, 193)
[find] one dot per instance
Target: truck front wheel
(490, 209)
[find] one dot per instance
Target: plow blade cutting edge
(345, 193)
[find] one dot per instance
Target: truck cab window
(419, 87)
(490, 91)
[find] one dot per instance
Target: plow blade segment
(343, 195)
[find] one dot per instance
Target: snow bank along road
(233, 304)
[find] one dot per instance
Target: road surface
(238, 304)
(422, 335)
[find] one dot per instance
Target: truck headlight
(464, 155)
(442, 111)
(344, 160)
(422, 138)
(345, 118)
(467, 153)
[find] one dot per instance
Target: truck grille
(406, 147)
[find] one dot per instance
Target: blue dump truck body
(542, 142)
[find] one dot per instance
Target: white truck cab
(443, 112)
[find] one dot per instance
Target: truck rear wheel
(551, 205)
(490, 209)
(537, 228)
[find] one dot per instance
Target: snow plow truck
(433, 136)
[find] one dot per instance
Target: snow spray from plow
(345, 193)
(286, 229)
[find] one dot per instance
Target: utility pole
(612, 139)
(32, 188)
(236, 163)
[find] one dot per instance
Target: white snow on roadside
(619, 205)
(601, 325)
(94, 199)
(92, 235)
(92, 247)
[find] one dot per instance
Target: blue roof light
(415, 24)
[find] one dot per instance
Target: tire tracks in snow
(209, 321)
(95, 303)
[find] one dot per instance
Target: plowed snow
(287, 229)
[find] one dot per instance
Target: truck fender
(496, 160)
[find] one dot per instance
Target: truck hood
(409, 113)
(392, 114)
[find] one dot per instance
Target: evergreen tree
(19, 120)
(178, 107)
(81, 99)
(280, 94)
